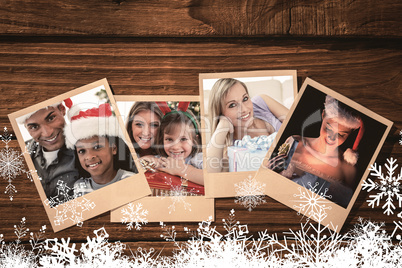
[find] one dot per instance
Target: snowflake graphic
(398, 226)
(313, 245)
(400, 141)
(134, 216)
(309, 245)
(177, 195)
(68, 208)
(15, 253)
(313, 203)
(370, 246)
(11, 164)
(96, 252)
(390, 186)
(250, 193)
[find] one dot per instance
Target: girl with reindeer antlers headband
(178, 143)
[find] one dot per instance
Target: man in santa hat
(54, 163)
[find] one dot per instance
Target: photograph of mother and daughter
(166, 137)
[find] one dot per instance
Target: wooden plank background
(159, 47)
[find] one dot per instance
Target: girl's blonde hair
(169, 123)
(218, 93)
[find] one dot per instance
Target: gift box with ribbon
(248, 153)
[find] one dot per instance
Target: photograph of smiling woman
(235, 115)
(142, 125)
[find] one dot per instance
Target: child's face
(145, 125)
(178, 144)
(96, 155)
(237, 106)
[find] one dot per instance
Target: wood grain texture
(160, 47)
(201, 18)
(36, 69)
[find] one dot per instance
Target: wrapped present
(248, 153)
(161, 182)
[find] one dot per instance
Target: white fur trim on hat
(343, 117)
(85, 128)
(351, 156)
(21, 120)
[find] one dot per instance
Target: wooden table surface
(159, 47)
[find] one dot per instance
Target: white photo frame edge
(337, 217)
(128, 190)
(218, 182)
(201, 208)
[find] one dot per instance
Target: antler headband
(181, 109)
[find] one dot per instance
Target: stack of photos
(90, 152)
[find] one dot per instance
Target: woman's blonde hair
(218, 93)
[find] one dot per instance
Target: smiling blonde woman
(234, 114)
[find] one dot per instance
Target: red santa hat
(85, 124)
(345, 117)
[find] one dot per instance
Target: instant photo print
(242, 114)
(77, 150)
(322, 155)
(165, 133)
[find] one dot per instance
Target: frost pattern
(313, 203)
(313, 245)
(389, 186)
(398, 226)
(250, 193)
(11, 164)
(177, 195)
(96, 251)
(134, 216)
(15, 254)
(69, 208)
